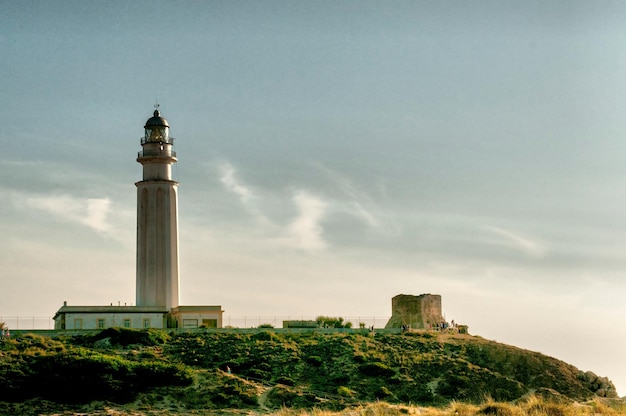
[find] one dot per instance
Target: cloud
(230, 181)
(518, 242)
(91, 212)
(275, 221)
(305, 231)
(97, 212)
(232, 184)
(357, 200)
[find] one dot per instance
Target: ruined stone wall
(418, 312)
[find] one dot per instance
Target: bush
(359, 358)
(340, 378)
(264, 336)
(376, 369)
(286, 381)
(28, 343)
(233, 393)
(345, 391)
(332, 322)
(81, 375)
(126, 336)
(383, 393)
(314, 360)
(282, 396)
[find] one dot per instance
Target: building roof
(110, 309)
(197, 308)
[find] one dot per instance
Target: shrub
(383, 393)
(415, 393)
(284, 380)
(332, 322)
(281, 396)
(81, 375)
(314, 360)
(359, 358)
(376, 369)
(264, 336)
(345, 391)
(30, 342)
(126, 336)
(340, 378)
(258, 374)
(233, 393)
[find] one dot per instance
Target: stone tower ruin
(418, 312)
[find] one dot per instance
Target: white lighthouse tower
(157, 293)
(157, 218)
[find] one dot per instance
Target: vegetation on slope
(418, 367)
(268, 370)
(34, 366)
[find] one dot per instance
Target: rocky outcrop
(600, 386)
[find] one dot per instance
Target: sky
(331, 155)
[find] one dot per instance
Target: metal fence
(251, 321)
(28, 322)
(248, 321)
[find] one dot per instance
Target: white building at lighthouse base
(101, 317)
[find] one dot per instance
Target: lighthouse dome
(156, 121)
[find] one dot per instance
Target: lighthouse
(157, 294)
(157, 218)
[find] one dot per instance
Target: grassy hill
(270, 369)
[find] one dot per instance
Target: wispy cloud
(233, 184)
(358, 204)
(516, 241)
(97, 213)
(306, 231)
(91, 212)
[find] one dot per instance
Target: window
(146, 323)
(100, 323)
(209, 323)
(190, 323)
(78, 323)
(126, 323)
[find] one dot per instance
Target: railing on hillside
(248, 321)
(28, 322)
(251, 321)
